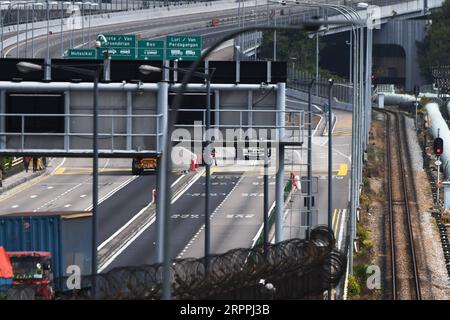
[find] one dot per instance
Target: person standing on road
(35, 163)
(26, 163)
(213, 155)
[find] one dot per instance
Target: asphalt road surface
(187, 217)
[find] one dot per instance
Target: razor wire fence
(292, 269)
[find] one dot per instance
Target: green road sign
(183, 54)
(151, 44)
(119, 53)
(150, 50)
(81, 54)
(120, 41)
(184, 42)
(150, 54)
(183, 47)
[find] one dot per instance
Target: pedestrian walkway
(22, 177)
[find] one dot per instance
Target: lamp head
(363, 5)
(146, 69)
(26, 67)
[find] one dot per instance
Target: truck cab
(33, 270)
(139, 165)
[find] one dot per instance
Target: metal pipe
(266, 202)
(95, 184)
(161, 215)
(309, 163)
(207, 158)
(279, 183)
(119, 87)
(330, 155)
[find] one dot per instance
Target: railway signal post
(438, 148)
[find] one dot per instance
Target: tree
(297, 45)
(435, 48)
(290, 44)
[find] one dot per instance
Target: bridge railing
(342, 90)
(53, 133)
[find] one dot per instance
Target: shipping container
(66, 235)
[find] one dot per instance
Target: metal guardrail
(26, 120)
(342, 90)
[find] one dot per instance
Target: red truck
(32, 275)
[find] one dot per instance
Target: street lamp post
(146, 69)
(311, 26)
(95, 74)
(330, 154)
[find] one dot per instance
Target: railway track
(401, 200)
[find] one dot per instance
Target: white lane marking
(62, 194)
(145, 227)
(33, 196)
(83, 196)
(180, 255)
(57, 167)
(176, 181)
(50, 187)
(115, 255)
(15, 206)
(131, 220)
(113, 191)
(67, 205)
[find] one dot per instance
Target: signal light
(438, 146)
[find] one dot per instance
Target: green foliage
(362, 233)
(5, 163)
(353, 287)
(293, 45)
(365, 201)
(435, 49)
(360, 272)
